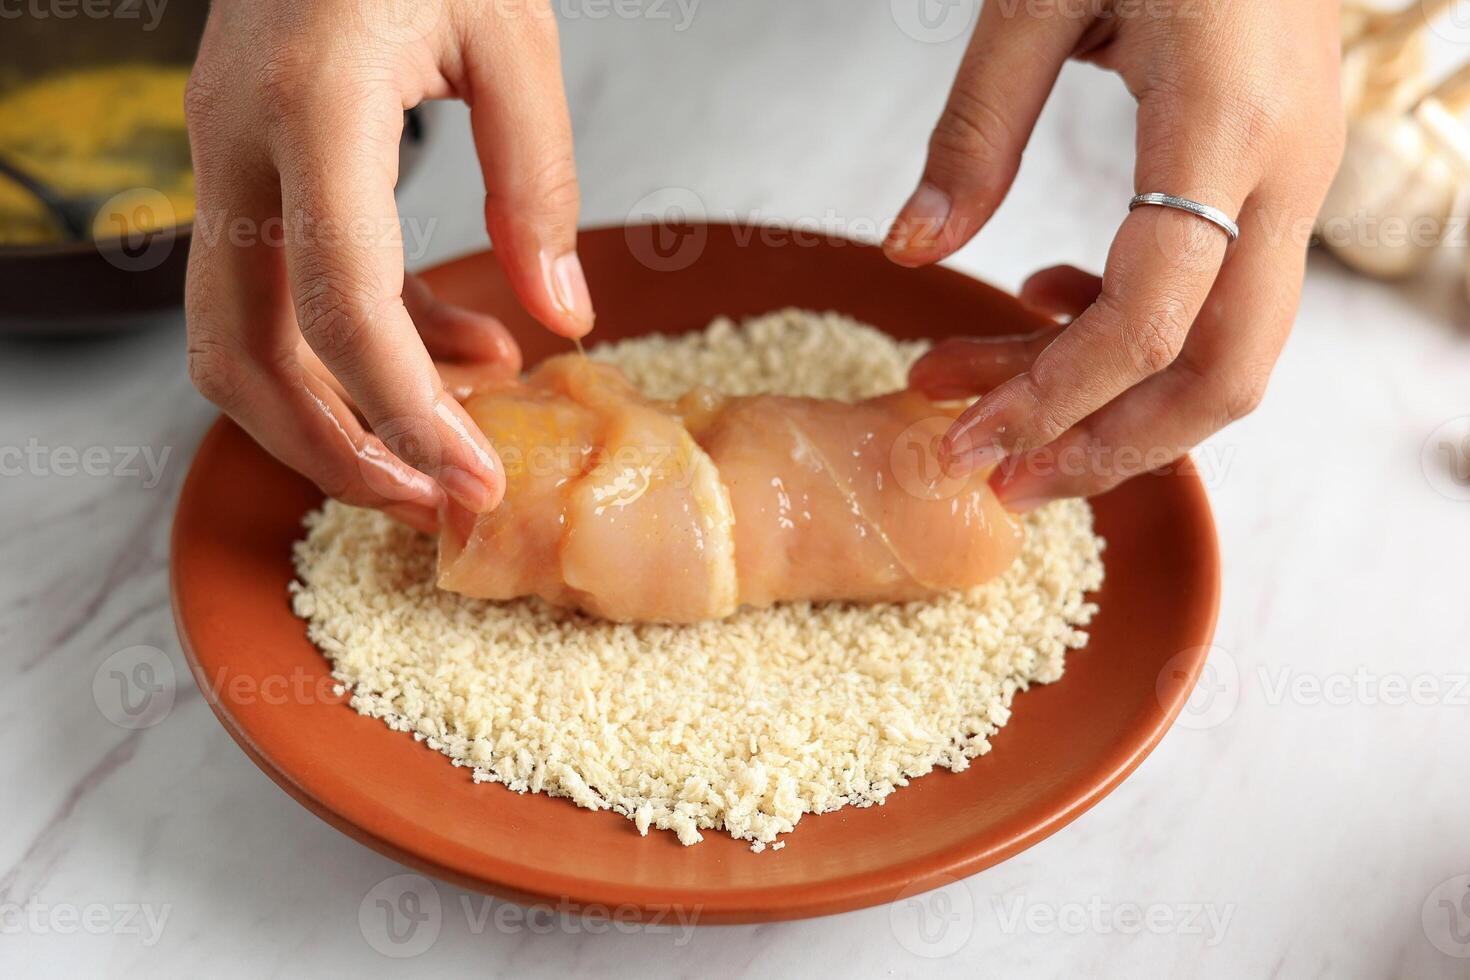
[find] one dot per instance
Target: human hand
(299, 311)
(1239, 108)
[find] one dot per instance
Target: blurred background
(683, 107)
(1332, 829)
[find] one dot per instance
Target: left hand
(1239, 107)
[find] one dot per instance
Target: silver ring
(1213, 215)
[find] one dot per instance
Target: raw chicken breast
(849, 501)
(636, 510)
(610, 505)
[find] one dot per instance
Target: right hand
(299, 310)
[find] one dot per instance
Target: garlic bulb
(1385, 55)
(1391, 201)
(1358, 19)
(1385, 211)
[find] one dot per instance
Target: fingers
(299, 418)
(470, 349)
(963, 367)
(307, 425)
(1217, 126)
(523, 136)
(1135, 329)
(304, 345)
(1062, 292)
(1007, 73)
(242, 330)
(462, 380)
(456, 334)
(1160, 268)
(239, 322)
(337, 157)
(1220, 377)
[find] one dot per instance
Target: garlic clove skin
(1375, 80)
(1358, 20)
(1385, 53)
(1393, 197)
(1441, 123)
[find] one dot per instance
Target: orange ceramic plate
(1067, 746)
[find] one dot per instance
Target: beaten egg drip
(114, 134)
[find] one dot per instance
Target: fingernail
(976, 460)
(471, 494)
(918, 227)
(986, 457)
(568, 287)
(452, 416)
(955, 467)
(960, 443)
(508, 352)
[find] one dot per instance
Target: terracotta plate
(1067, 746)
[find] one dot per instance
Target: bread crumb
(742, 726)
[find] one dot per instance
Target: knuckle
(1153, 343)
(1261, 113)
(555, 186)
(1232, 116)
(972, 129)
(283, 84)
(282, 69)
(548, 193)
(334, 315)
(414, 439)
(1159, 86)
(1244, 398)
(1044, 417)
(202, 97)
(214, 369)
(1141, 346)
(558, 187)
(1108, 312)
(224, 149)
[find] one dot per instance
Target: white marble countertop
(1305, 819)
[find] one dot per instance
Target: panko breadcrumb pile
(742, 726)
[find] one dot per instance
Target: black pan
(92, 287)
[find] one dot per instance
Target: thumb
(1007, 73)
